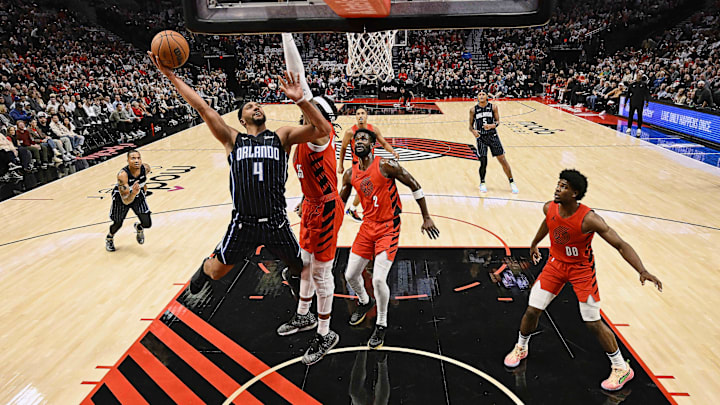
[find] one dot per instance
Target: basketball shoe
(514, 357)
(319, 346)
(298, 323)
(618, 378)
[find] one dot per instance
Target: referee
(638, 96)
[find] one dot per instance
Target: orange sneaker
(514, 357)
(618, 378)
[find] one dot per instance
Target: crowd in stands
(69, 88)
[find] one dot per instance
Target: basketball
(171, 48)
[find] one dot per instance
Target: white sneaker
(57, 159)
(514, 188)
(639, 132)
(628, 131)
(483, 188)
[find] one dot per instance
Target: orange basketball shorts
(377, 237)
(320, 225)
(582, 277)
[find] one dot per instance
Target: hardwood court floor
(70, 306)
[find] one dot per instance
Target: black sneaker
(198, 280)
(319, 347)
(378, 337)
(298, 323)
(292, 281)
(139, 234)
(362, 309)
(109, 244)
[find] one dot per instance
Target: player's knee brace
(590, 310)
(115, 226)
(540, 298)
(483, 162)
(322, 276)
(306, 257)
(381, 269)
(356, 264)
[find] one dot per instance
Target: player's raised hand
(291, 86)
(162, 68)
(429, 228)
(535, 253)
(646, 276)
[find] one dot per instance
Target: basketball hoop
(370, 55)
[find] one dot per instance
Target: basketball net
(370, 55)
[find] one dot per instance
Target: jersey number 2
(375, 201)
(258, 170)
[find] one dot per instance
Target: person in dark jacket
(638, 96)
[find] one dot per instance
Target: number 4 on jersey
(258, 170)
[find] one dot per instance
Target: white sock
(617, 360)
(381, 269)
(523, 340)
(353, 275)
(323, 326)
(304, 306)
(307, 290)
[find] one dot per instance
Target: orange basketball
(171, 48)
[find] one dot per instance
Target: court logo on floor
(411, 149)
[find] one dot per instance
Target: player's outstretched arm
(220, 130)
(540, 235)
(385, 144)
(343, 148)
(319, 126)
(346, 188)
(594, 223)
(127, 194)
(392, 169)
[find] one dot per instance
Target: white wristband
(302, 99)
(418, 194)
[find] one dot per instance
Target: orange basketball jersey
(315, 167)
(378, 194)
(568, 243)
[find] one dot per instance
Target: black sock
(511, 180)
(109, 236)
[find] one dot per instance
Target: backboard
(254, 17)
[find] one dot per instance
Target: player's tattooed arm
(392, 169)
(595, 223)
(472, 121)
(346, 188)
(496, 116)
(127, 194)
(148, 170)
